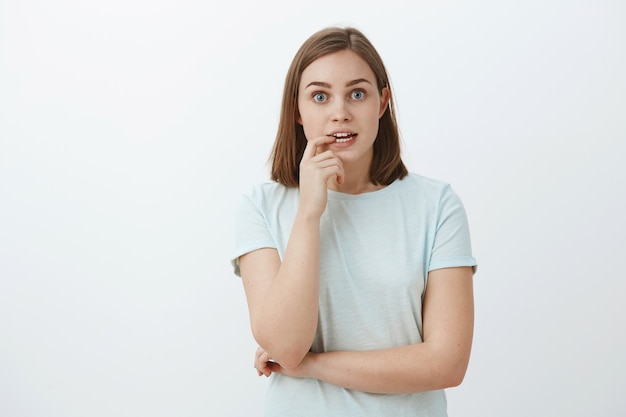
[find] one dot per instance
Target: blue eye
(358, 94)
(319, 97)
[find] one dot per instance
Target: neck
(354, 187)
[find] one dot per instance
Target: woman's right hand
(317, 167)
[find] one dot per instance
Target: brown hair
(387, 166)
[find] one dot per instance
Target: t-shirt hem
(249, 247)
(453, 262)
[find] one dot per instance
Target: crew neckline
(338, 195)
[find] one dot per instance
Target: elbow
(455, 379)
(290, 360)
(287, 352)
(286, 357)
(448, 372)
(454, 375)
(449, 364)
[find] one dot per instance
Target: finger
(257, 355)
(265, 369)
(261, 362)
(258, 363)
(325, 159)
(332, 166)
(328, 154)
(272, 367)
(341, 176)
(329, 160)
(312, 146)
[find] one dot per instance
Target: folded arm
(283, 297)
(439, 362)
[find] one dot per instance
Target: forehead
(337, 68)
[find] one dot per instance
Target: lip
(334, 132)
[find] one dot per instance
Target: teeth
(343, 137)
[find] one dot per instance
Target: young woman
(357, 273)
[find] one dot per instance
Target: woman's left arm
(439, 362)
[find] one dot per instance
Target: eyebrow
(348, 84)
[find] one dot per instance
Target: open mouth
(343, 137)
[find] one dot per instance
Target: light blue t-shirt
(376, 251)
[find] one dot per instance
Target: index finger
(312, 145)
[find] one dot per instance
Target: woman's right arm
(283, 296)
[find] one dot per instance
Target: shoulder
(269, 195)
(424, 186)
(269, 190)
(421, 180)
(428, 193)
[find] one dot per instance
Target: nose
(340, 111)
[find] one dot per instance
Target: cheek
(308, 124)
(308, 132)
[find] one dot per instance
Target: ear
(298, 117)
(385, 96)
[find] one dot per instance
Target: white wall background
(129, 129)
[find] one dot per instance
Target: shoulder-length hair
(386, 166)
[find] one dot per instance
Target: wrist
(309, 215)
(310, 365)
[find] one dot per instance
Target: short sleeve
(451, 246)
(251, 231)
